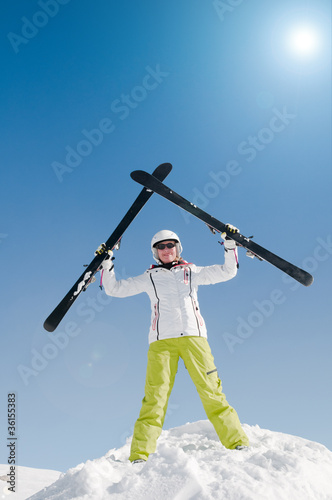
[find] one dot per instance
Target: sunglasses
(162, 246)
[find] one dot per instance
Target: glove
(229, 244)
(107, 263)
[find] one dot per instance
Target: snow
(191, 464)
(28, 481)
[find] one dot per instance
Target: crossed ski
(153, 183)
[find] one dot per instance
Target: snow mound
(28, 481)
(191, 464)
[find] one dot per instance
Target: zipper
(197, 316)
(155, 324)
(156, 316)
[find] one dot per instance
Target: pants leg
(197, 356)
(162, 366)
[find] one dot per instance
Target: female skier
(177, 330)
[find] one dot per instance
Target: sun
(303, 41)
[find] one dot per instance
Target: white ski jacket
(173, 294)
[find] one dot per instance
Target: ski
(253, 248)
(50, 324)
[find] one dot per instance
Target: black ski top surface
(50, 324)
(158, 187)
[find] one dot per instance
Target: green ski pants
(163, 357)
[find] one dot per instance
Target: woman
(177, 330)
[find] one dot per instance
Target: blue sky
(92, 91)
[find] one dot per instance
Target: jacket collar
(170, 265)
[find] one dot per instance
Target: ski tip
(48, 326)
(138, 175)
(160, 173)
(308, 280)
(135, 173)
(164, 167)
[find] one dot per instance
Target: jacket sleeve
(209, 275)
(124, 288)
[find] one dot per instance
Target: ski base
(50, 324)
(262, 253)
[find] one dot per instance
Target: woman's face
(166, 255)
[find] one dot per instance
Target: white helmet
(163, 236)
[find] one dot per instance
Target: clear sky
(237, 96)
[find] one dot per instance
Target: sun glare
(303, 41)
